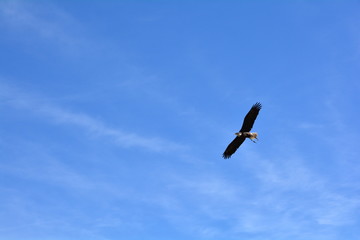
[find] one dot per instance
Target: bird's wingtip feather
(226, 156)
(257, 105)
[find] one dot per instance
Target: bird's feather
(246, 127)
(250, 118)
(233, 146)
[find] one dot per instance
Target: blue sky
(115, 114)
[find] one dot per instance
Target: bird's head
(253, 135)
(238, 134)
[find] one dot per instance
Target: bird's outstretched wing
(233, 146)
(250, 118)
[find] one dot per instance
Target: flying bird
(244, 131)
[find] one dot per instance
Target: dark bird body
(244, 131)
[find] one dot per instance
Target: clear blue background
(114, 116)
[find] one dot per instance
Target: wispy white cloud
(284, 198)
(16, 98)
(44, 21)
(45, 168)
(38, 166)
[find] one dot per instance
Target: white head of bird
(250, 135)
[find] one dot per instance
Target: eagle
(244, 131)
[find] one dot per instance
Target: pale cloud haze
(115, 115)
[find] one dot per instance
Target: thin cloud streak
(27, 16)
(290, 198)
(13, 97)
